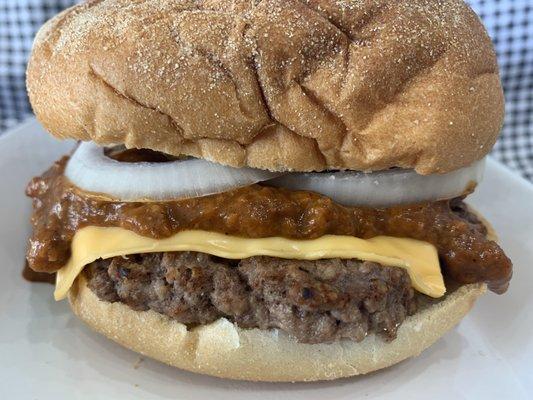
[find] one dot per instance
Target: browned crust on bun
(227, 351)
(275, 84)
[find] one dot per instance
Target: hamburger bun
(222, 349)
(274, 84)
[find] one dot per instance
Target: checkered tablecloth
(509, 22)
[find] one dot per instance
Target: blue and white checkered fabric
(509, 22)
(510, 25)
(19, 22)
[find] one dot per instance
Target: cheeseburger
(267, 190)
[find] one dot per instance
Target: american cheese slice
(419, 258)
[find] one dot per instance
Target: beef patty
(313, 301)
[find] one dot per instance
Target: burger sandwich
(267, 190)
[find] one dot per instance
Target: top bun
(274, 84)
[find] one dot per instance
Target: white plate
(46, 353)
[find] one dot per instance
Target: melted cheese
(419, 258)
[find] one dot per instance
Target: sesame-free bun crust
(227, 351)
(274, 84)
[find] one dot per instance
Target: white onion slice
(91, 170)
(384, 188)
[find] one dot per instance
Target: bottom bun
(222, 349)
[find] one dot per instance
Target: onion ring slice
(91, 170)
(384, 188)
